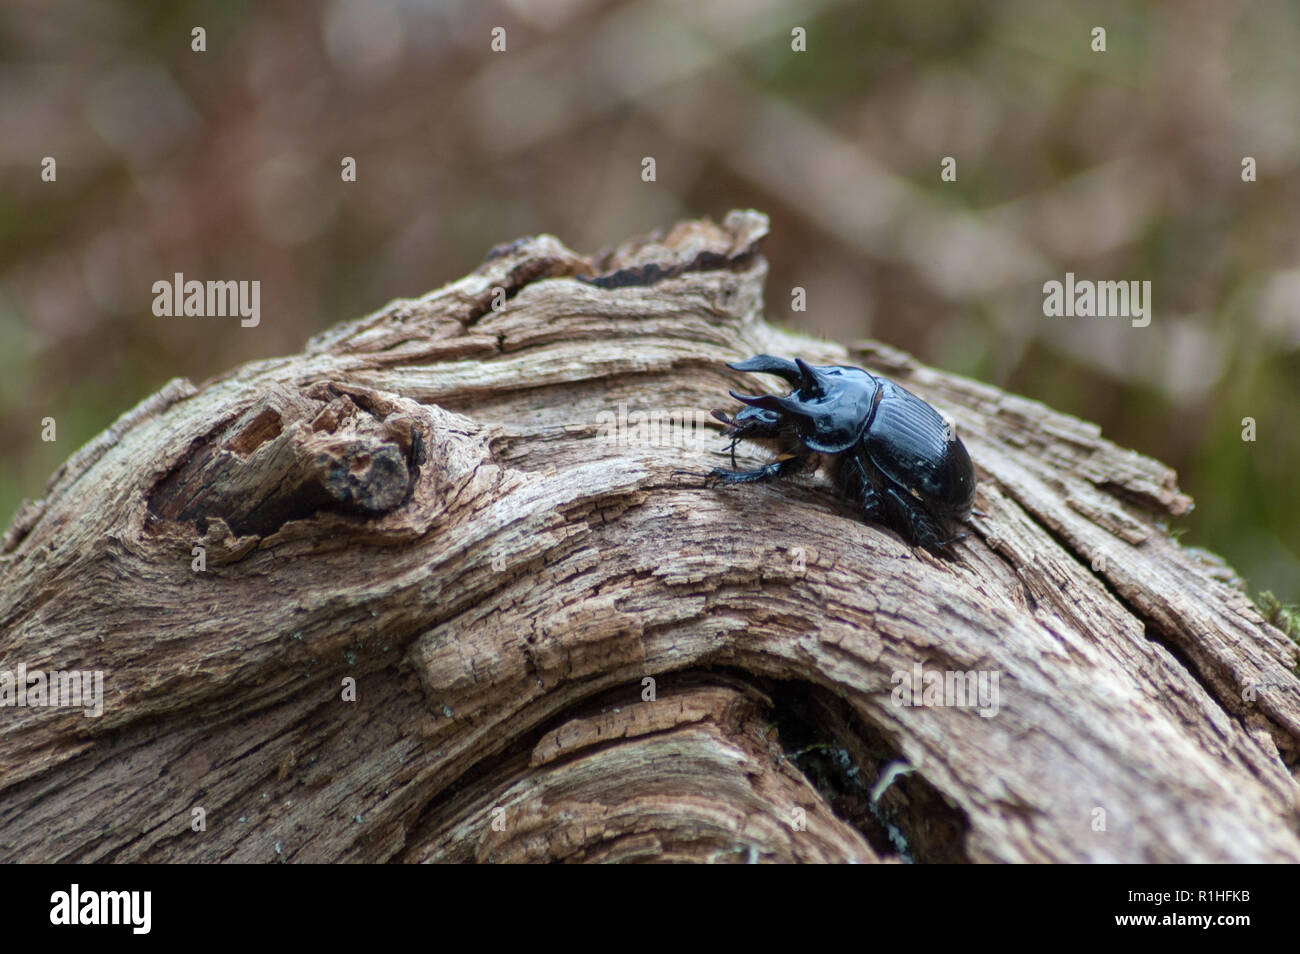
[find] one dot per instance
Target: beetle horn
(767, 364)
(810, 379)
(770, 402)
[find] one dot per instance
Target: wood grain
(563, 649)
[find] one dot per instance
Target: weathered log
(565, 650)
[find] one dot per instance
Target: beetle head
(750, 422)
(830, 407)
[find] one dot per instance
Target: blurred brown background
(1117, 165)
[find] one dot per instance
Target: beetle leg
(864, 491)
(914, 522)
(781, 467)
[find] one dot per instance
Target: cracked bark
(429, 500)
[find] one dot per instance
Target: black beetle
(886, 450)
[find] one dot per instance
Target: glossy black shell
(909, 442)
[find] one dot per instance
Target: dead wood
(457, 502)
